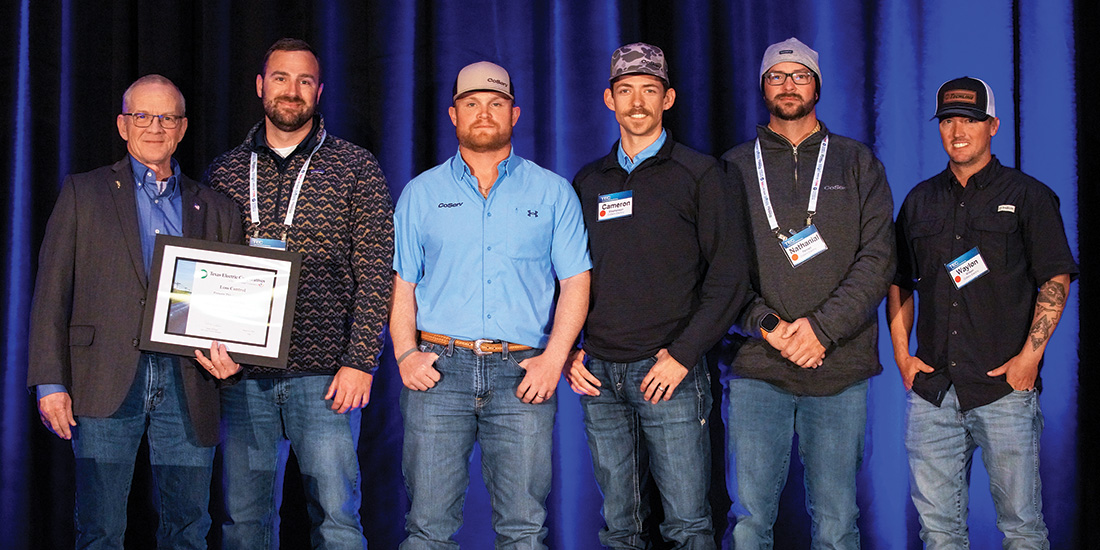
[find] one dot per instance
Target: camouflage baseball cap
(639, 58)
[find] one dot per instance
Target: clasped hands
(797, 343)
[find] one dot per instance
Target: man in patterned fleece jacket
(326, 198)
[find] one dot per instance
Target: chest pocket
(530, 230)
(925, 239)
(924, 228)
(999, 237)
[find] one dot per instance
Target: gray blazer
(89, 295)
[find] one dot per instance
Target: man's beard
(287, 121)
(804, 108)
(482, 142)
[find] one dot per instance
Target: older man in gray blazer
(94, 386)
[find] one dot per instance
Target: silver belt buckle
(477, 347)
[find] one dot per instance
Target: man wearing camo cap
(821, 214)
(669, 274)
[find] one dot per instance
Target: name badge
(803, 245)
(966, 268)
(615, 205)
(267, 243)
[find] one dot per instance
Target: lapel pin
(196, 205)
(118, 184)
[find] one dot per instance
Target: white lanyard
(253, 201)
(811, 208)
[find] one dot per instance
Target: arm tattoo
(1041, 331)
(1048, 308)
(1052, 294)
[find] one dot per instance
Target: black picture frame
(173, 279)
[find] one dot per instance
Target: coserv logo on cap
(960, 96)
(495, 81)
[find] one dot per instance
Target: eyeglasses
(776, 78)
(144, 120)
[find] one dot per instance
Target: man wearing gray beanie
(821, 215)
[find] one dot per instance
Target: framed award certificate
(205, 291)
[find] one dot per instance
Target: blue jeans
(763, 419)
(106, 449)
(260, 418)
(941, 442)
(631, 439)
(476, 400)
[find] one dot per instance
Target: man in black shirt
(669, 273)
(985, 247)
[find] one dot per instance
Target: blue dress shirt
(486, 267)
(629, 164)
(159, 213)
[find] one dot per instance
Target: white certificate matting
(202, 291)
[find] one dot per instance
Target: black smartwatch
(768, 323)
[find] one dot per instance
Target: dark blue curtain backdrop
(388, 71)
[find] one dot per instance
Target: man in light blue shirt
(482, 243)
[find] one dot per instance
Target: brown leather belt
(481, 346)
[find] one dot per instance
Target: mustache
(638, 111)
(290, 99)
(788, 96)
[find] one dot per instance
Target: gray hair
(152, 79)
